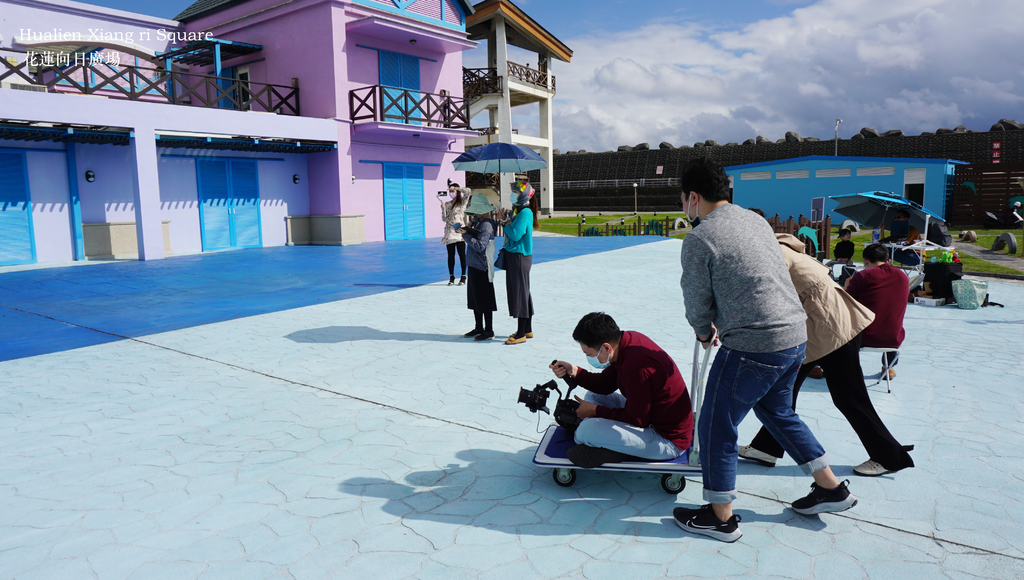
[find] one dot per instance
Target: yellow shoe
(513, 340)
(529, 335)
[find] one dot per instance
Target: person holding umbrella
(519, 225)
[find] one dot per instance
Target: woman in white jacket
(454, 212)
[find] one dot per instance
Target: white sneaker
(871, 469)
(748, 452)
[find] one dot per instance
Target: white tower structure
(505, 84)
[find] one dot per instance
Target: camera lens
(525, 396)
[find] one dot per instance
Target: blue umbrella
(874, 208)
(499, 158)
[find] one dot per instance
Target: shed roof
(844, 159)
(531, 35)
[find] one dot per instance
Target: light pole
(837, 136)
(634, 200)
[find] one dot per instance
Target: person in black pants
(834, 325)
(480, 253)
(454, 212)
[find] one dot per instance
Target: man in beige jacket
(834, 323)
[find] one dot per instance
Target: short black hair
(706, 178)
(845, 231)
(903, 213)
(595, 329)
(876, 253)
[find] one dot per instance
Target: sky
(684, 71)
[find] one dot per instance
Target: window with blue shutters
(400, 79)
(16, 240)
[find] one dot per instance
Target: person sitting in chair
(884, 290)
(844, 248)
(637, 405)
(901, 232)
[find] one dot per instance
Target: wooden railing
(822, 229)
(662, 227)
(394, 105)
(477, 82)
(530, 75)
(135, 83)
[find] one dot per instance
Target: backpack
(938, 234)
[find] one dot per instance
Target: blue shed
(803, 185)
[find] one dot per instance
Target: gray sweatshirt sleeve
(696, 284)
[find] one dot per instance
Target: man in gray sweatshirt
(735, 281)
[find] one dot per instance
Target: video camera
(565, 408)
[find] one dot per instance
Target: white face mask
(693, 218)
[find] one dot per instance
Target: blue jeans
(623, 437)
(738, 382)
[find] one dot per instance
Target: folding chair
(885, 364)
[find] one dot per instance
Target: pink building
(240, 124)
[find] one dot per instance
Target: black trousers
(845, 381)
(452, 248)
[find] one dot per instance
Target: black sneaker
(473, 332)
(704, 521)
(822, 500)
(589, 457)
(485, 335)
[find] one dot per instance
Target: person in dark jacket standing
(519, 258)
(480, 256)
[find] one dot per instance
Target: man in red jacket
(636, 407)
(883, 289)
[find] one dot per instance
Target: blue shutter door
(16, 243)
(411, 82)
(415, 224)
(391, 76)
(246, 197)
(394, 202)
(215, 204)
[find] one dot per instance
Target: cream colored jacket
(834, 318)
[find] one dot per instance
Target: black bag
(938, 234)
(499, 262)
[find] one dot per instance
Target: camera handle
(568, 381)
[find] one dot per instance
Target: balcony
(477, 82)
(481, 82)
(384, 109)
(530, 76)
(154, 85)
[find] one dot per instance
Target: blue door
(400, 75)
(16, 243)
(229, 209)
(404, 217)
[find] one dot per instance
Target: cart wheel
(564, 477)
(673, 483)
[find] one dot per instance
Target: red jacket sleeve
(603, 383)
(638, 404)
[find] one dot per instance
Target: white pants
(623, 437)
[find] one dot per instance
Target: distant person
(479, 238)
(636, 406)
(885, 290)
(735, 282)
(453, 212)
(834, 324)
(904, 234)
(844, 248)
(519, 225)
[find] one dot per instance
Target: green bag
(970, 294)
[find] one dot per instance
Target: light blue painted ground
(364, 438)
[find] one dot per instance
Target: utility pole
(634, 200)
(837, 136)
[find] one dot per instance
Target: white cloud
(914, 65)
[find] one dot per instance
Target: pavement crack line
(928, 536)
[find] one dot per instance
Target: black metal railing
(393, 105)
(135, 83)
(477, 82)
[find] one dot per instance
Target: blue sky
(684, 71)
